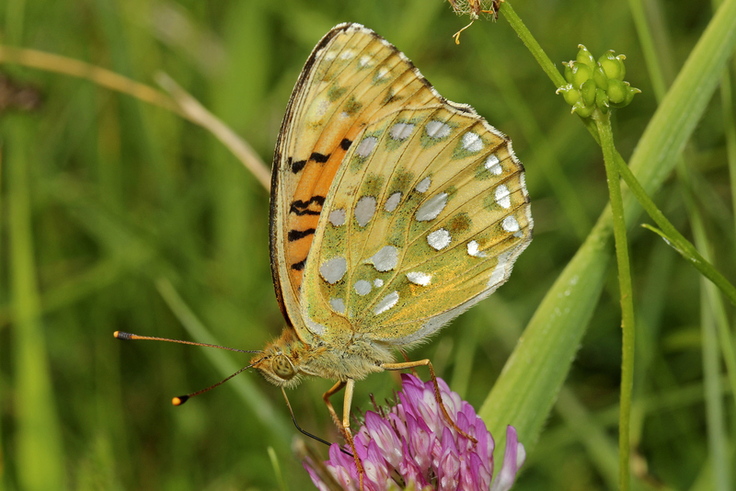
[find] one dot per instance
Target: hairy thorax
(286, 360)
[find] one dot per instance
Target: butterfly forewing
(353, 77)
(422, 216)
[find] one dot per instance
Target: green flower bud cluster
(596, 84)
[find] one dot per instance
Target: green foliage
(118, 215)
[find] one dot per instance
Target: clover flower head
(411, 446)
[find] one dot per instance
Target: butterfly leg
(344, 425)
(326, 397)
(406, 358)
(437, 395)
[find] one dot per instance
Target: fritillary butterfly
(393, 211)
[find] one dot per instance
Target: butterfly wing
(394, 209)
(352, 77)
(426, 211)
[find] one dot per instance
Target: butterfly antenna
(179, 400)
(134, 337)
(305, 432)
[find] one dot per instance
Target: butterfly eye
(282, 367)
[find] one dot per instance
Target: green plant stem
(532, 45)
(603, 123)
(673, 237)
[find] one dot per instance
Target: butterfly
(393, 210)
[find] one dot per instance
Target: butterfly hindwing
(425, 217)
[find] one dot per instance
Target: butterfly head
(279, 362)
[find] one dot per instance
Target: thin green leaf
(39, 456)
(688, 251)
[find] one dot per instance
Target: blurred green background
(115, 215)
